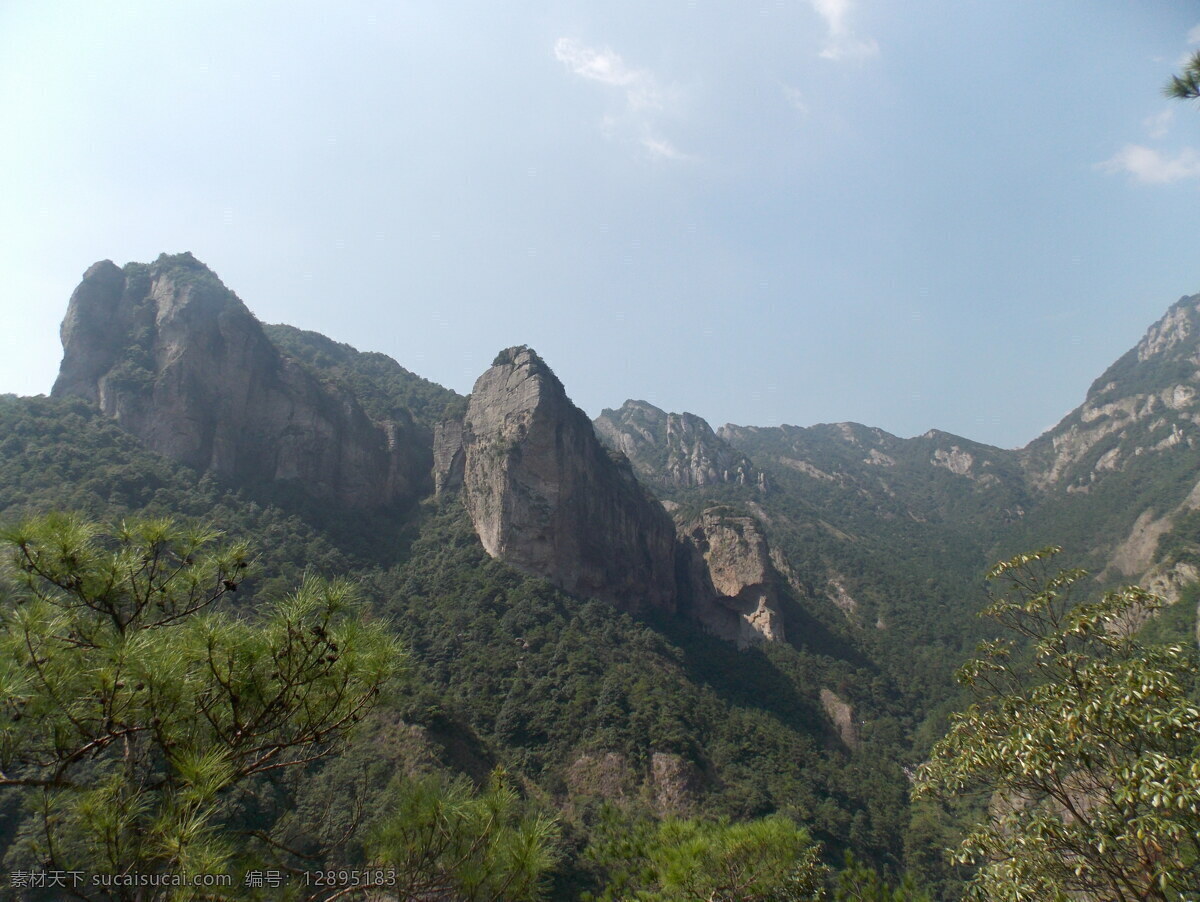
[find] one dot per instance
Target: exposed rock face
(448, 458)
(607, 776)
(675, 782)
(838, 710)
(678, 450)
(1170, 581)
(732, 578)
(1144, 404)
(842, 599)
(1127, 458)
(546, 497)
(955, 460)
(671, 786)
(178, 360)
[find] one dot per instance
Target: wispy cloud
(603, 65)
(646, 98)
(795, 99)
(1150, 167)
(1194, 35)
(1159, 124)
(661, 149)
(840, 41)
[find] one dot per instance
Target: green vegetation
(547, 680)
(63, 454)
(1084, 747)
(443, 840)
(858, 883)
(677, 860)
(135, 707)
(386, 390)
(1186, 85)
(907, 542)
(549, 746)
(505, 670)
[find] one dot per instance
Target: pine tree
(1186, 85)
(134, 701)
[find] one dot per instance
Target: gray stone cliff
(733, 581)
(179, 361)
(546, 497)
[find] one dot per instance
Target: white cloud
(1159, 124)
(795, 99)
(841, 42)
(661, 149)
(646, 99)
(1194, 35)
(1150, 167)
(606, 67)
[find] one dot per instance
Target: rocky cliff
(733, 582)
(179, 361)
(1144, 404)
(546, 497)
(675, 450)
(1118, 475)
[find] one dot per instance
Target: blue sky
(916, 215)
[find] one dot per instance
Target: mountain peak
(545, 497)
(521, 356)
(179, 361)
(184, 260)
(102, 269)
(1143, 405)
(1177, 325)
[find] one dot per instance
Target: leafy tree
(443, 840)
(1087, 754)
(1186, 85)
(132, 708)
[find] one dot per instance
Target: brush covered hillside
(633, 619)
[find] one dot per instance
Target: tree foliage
(1084, 744)
(133, 703)
(1186, 85)
(765, 859)
(446, 841)
(857, 882)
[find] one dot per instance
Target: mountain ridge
(737, 620)
(417, 439)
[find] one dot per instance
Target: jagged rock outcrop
(546, 497)
(1146, 403)
(733, 582)
(1124, 462)
(179, 361)
(677, 450)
